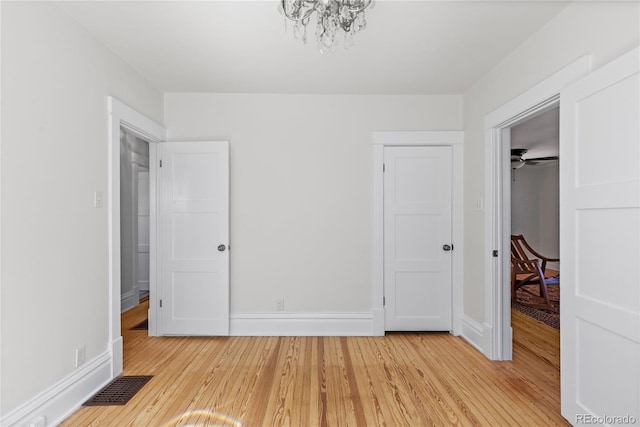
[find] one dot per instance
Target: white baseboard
(378, 322)
(60, 400)
(268, 324)
(117, 353)
(127, 301)
(473, 333)
(143, 285)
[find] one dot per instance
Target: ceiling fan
(517, 161)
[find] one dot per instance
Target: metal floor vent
(119, 391)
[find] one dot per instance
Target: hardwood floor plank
(352, 381)
(402, 379)
(340, 405)
(440, 393)
(460, 375)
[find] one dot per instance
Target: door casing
(120, 116)
(453, 139)
(496, 329)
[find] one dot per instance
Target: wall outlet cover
(79, 356)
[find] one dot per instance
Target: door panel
(417, 223)
(600, 242)
(194, 223)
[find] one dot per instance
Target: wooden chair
(528, 267)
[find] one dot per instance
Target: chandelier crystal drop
(336, 20)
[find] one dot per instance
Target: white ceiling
(408, 47)
(540, 135)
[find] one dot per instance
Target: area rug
(549, 317)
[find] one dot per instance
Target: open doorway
(122, 117)
(534, 284)
(534, 102)
(535, 216)
(134, 219)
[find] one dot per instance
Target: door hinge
(160, 163)
(160, 303)
(495, 254)
(384, 301)
(383, 167)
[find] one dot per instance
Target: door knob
(447, 248)
(222, 248)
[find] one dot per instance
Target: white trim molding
(122, 116)
(321, 324)
(128, 300)
(1, 293)
(63, 398)
(454, 139)
(473, 332)
(497, 192)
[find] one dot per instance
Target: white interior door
(417, 226)
(600, 245)
(194, 238)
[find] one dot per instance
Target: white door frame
(453, 139)
(122, 116)
(497, 192)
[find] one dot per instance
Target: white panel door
(417, 226)
(194, 236)
(600, 245)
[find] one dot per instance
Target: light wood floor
(403, 379)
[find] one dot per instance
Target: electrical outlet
(280, 304)
(97, 199)
(478, 205)
(79, 355)
(38, 422)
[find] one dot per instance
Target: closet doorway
(134, 219)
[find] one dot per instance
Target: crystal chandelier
(332, 18)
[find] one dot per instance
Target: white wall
(535, 209)
(301, 188)
(525, 204)
(550, 212)
(55, 82)
(604, 29)
(143, 230)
